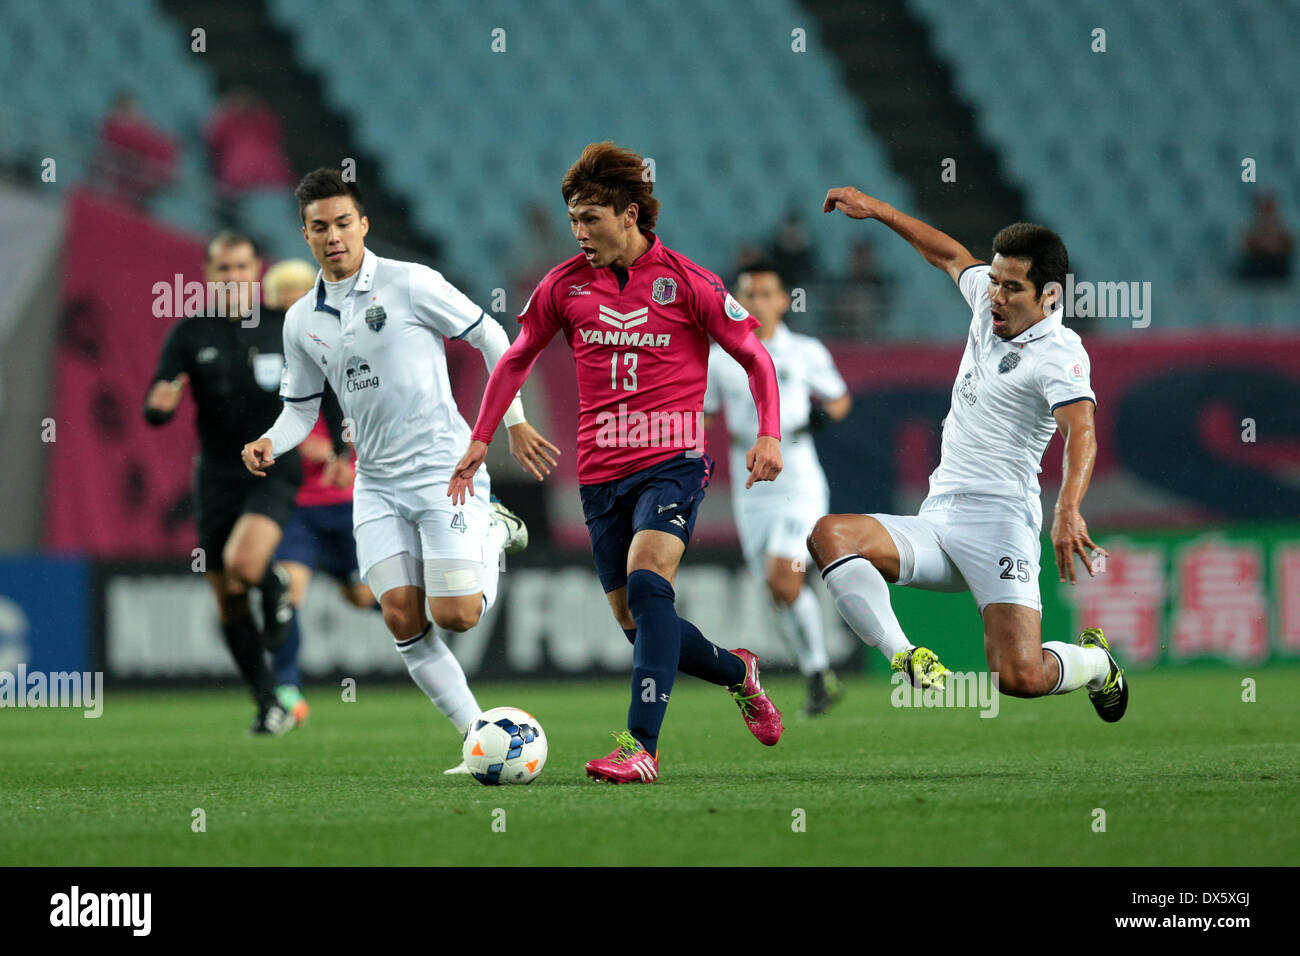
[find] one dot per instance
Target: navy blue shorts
(663, 497)
(321, 538)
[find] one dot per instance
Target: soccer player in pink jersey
(638, 317)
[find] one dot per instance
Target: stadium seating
(741, 128)
(97, 56)
(1135, 154)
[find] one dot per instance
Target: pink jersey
(641, 354)
(314, 491)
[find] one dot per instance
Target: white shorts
(443, 547)
(986, 544)
(777, 529)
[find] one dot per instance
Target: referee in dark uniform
(232, 359)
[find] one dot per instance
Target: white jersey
(1002, 402)
(804, 369)
(384, 356)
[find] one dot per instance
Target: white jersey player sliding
(374, 329)
(774, 518)
(1023, 376)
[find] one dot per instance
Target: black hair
(325, 183)
(1048, 260)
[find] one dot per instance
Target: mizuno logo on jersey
(639, 339)
(579, 289)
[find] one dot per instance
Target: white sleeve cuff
(295, 423)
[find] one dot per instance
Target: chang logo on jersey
(967, 389)
(358, 374)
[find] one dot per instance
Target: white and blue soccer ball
(505, 745)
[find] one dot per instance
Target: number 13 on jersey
(629, 370)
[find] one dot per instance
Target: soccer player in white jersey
(374, 329)
(774, 519)
(1023, 376)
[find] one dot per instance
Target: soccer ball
(505, 745)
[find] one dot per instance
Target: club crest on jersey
(735, 311)
(664, 290)
(1009, 361)
(376, 317)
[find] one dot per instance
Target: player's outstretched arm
(937, 248)
(1069, 531)
(462, 476)
(527, 446)
(764, 458)
(508, 376)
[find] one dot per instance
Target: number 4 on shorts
(458, 522)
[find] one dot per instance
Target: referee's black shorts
(224, 493)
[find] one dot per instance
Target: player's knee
(831, 539)
(458, 617)
(403, 622)
(784, 588)
(643, 588)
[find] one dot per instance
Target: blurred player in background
(1023, 376)
(319, 535)
(638, 318)
(232, 358)
(774, 518)
(373, 328)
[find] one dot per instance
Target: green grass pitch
(1192, 776)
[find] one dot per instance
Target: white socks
(436, 671)
(801, 626)
(862, 597)
(1079, 666)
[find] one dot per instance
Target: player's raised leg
(858, 559)
(1025, 666)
